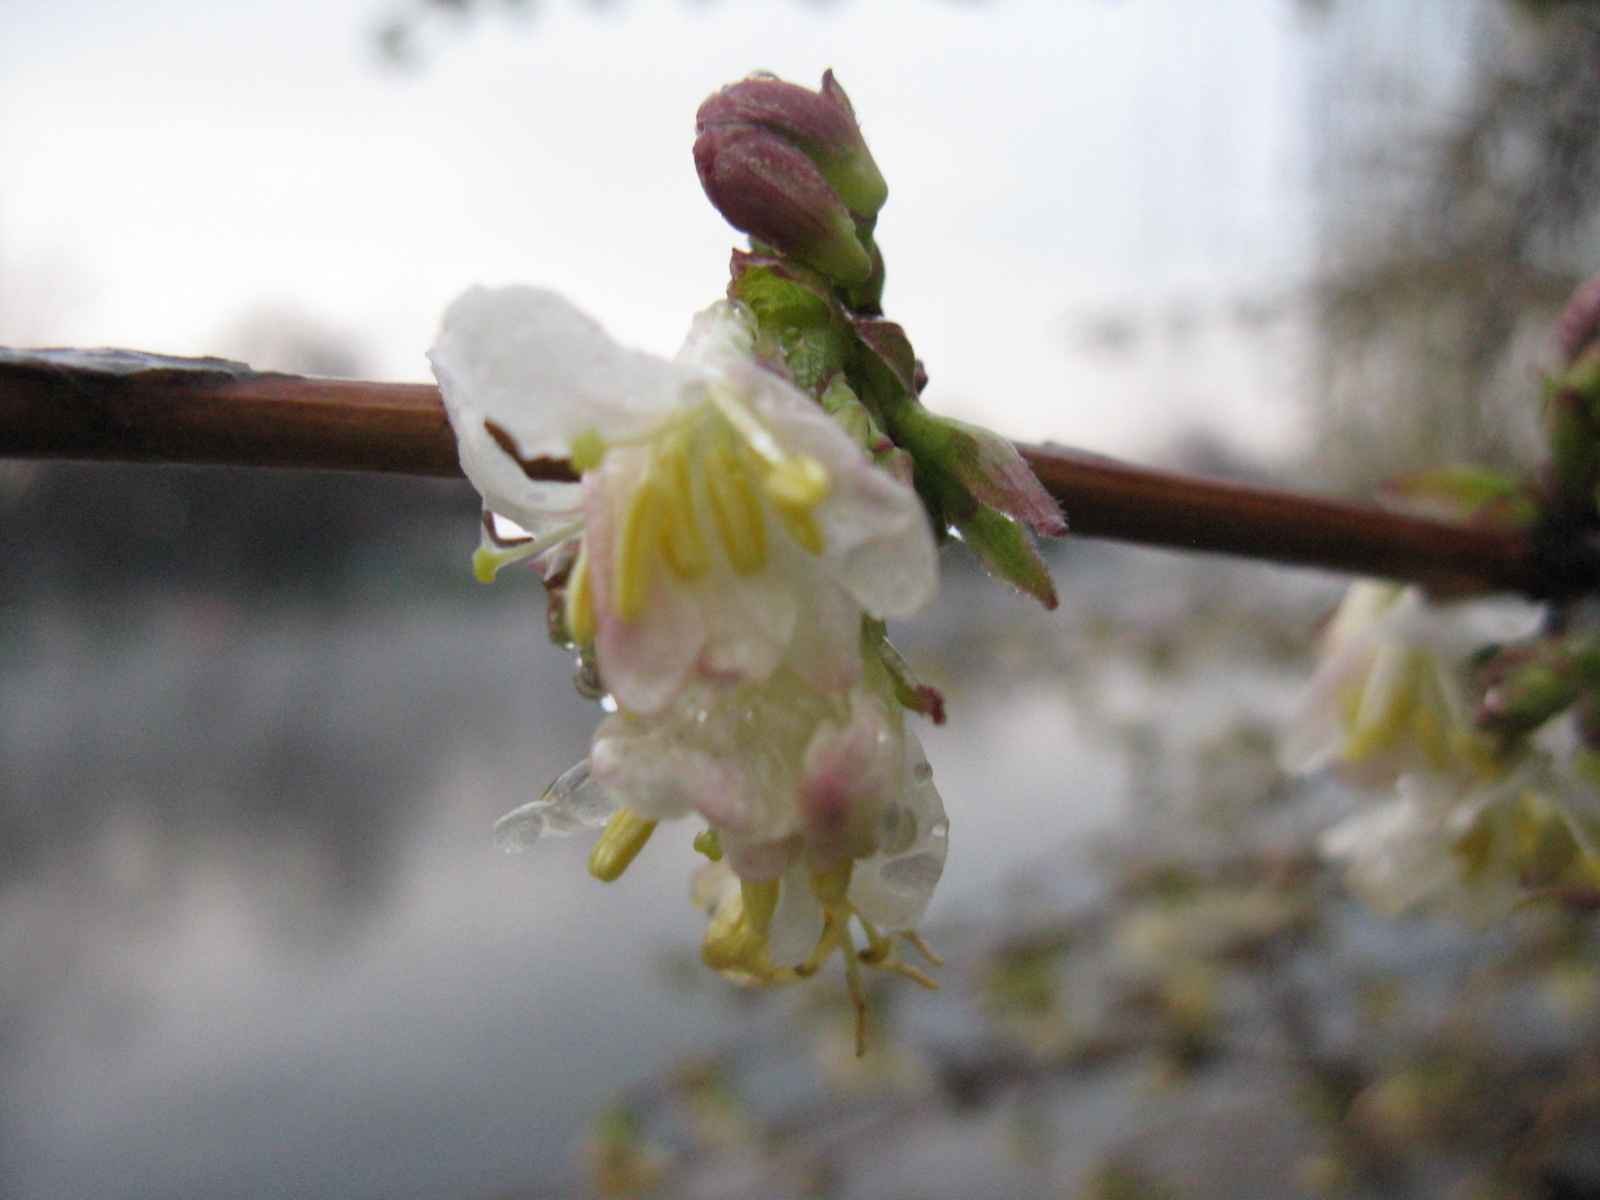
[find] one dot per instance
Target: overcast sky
(168, 167)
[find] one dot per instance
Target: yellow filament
(680, 536)
(636, 549)
(737, 510)
(915, 938)
(831, 885)
(760, 899)
(802, 527)
(858, 994)
(901, 967)
(580, 599)
(624, 836)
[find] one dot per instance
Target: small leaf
(910, 691)
(1003, 546)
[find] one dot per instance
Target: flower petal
(523, 366)
(797, 919)
(892, 887)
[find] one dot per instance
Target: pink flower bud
(766, 187)
(1579, 322)
(821, 125)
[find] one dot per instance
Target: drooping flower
(1389, 696)
(734, 550)
(1455, 807)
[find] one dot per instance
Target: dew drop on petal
(520, 828)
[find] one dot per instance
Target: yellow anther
(580, 599)
(831, 885)
(709, 843)
(737, 509)
(588, 451)
(760, 899)
(637, 548)
(799, 481)
(487, 559)
(624, 836)
(681, 540)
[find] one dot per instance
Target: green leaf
(1004, 547)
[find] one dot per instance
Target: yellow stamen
(878, 946)
(588, 451)
(580, 599)
(488, 560)
(709, 843)
(679, 531)
(759, 901)
(831, 885)
(637, 549)
(624, 836)
(737, 510)
(900, 967)
(858, 994)
(915, 938)
(802, 527)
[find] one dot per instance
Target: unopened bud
(821, 125)
(1579, 322)
(789, 167)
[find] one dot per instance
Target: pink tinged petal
(760, 862)
(797, 920)
(879, 545)
(643, 661)
(846, 776)
(653, 773)
(749, 623)
(574, 802)
(892, 887)
(826, 648)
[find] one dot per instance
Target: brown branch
(117, 405)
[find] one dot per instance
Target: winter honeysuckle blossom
(1454, 806)
(726, 555)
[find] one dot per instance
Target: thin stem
(129, 407)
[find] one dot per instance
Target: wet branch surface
(131, 407)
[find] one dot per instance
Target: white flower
(1388, 696)
(731, 540)
(1530, 827)
(718, 502)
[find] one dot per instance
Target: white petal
(879, 544)
(892, 887)
(796, 921)
(542, 372)
(572, 803)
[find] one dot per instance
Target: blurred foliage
(1451, 239)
